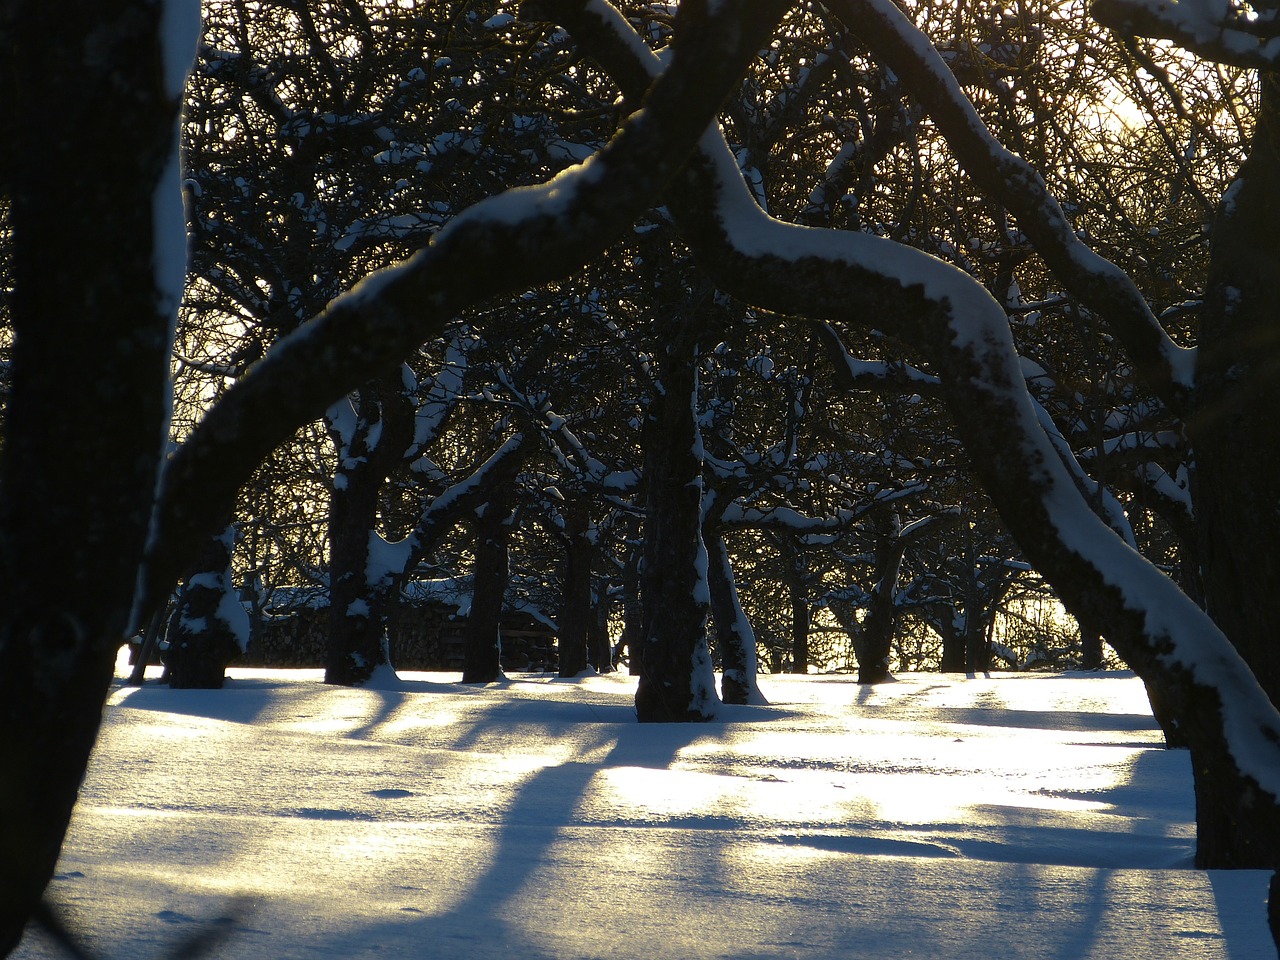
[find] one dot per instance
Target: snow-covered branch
(507, 243)
(1213, 29)
(965, 335)
(855, 374)
(389, 561)
(1011, 181)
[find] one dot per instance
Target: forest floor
(1025, 815)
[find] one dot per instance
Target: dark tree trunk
(632, 614)
(953, 642)
(877, 634)
(736, 639)
(979, 609)
(148, 651)
(800, 620)
(882, 612)
(977, 646)
(1233, 431)
(576, 614)
(201, 642)
(1090, 647)
(676, 683)
(598, 642)
(1164, 715)
(91, 339)
(482, 651)
(1236, 444)
(381, 433)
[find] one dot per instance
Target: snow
(233, 613)
(1025, 816)
(180, 35)
(387, 559)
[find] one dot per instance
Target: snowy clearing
(1021, 816)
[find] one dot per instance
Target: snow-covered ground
(1021, 816)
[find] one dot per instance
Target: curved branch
(1218, 35)
(1016, 185)
(505, 244)
(862, 279)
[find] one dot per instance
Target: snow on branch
(1016, 185)
(1213, 29)
(572, 455)
(389, 562)
(1137, 445)
(964, 333)
(855, 374)
(507, 243)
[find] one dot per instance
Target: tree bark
(482, 653)
(632, 612)
(676, 683)
(1233, 431)
(1090, 647)
(598, 642)
(954, 651)
(735, 638)
(86, 131)
(576, 612)
(201, 641)
(800, 619)
(881, 619)
(381, 432)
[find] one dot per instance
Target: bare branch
(505, 244)
(1012, 182)
(866, 280)
(1216, 32)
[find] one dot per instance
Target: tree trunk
(1236, 445)
(370, 446)
(952, 628)
(977, 646)
(877, 633)
(1233, 431)
(1090, 647)
(632, 613)
(207, 633)
(736, 638)
(482, 653)
(882, 613)
(576, 612)
(91, 339)
(676, 680)
(1162, 711)
(598, 642)
(800, 619)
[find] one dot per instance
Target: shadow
(221, 704)
(543, 808)
(1240, 897)
(985, 716)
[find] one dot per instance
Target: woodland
(730, 339)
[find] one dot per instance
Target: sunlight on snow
(914, 779)
(1037, 812)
